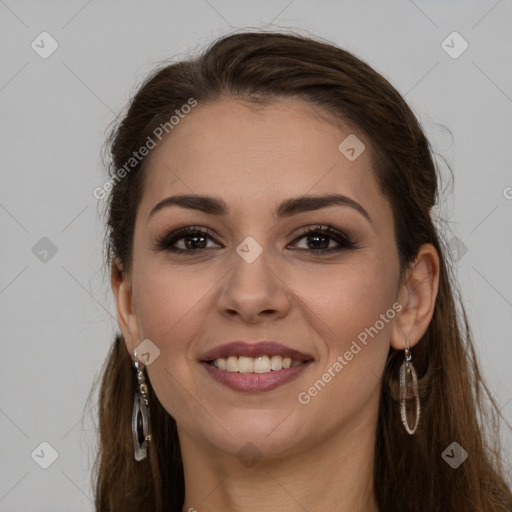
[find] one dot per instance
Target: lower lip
(254, 382)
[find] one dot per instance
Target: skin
(317, 456)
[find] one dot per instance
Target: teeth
(262, 364)
(232, 364)
(245, 364)
(276, 363)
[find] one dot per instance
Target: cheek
(359, 313)
(344, 300)
(353, 313)
(172, 306)
(169, 300)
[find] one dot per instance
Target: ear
(126, 317)
(417, 295)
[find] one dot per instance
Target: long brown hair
(409, 474)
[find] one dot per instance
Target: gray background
(57, 316)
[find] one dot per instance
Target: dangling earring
(140, 416)
(409, 391)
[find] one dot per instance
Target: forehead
(253, 157)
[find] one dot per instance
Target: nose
(254, 292)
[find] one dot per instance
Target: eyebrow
(293, 206)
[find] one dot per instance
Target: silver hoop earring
(140, 415)
(408, 392)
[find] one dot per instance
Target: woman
(290, 339)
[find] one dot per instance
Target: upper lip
(257, 349)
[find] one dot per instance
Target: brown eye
(318, 239)
(191, 240)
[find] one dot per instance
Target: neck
(335, 474)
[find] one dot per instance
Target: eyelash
(165, 242)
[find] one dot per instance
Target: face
(248, 270)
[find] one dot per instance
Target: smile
(254, 367)
(262, 364)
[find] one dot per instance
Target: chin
(256, 433)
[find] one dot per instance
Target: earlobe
(126, 317)
(417, 296)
